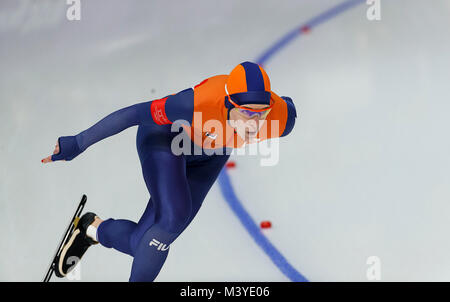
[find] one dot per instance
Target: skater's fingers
(55, 156)
(47, 159)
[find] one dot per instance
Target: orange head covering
(248, 83)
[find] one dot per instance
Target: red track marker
(266, 224)
(305, 29)
(230, 164)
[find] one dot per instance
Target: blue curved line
(245, 218)
(323, 17)
(224, 181)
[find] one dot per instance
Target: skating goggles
(250, 112)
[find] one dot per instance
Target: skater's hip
(161, 138)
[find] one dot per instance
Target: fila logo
(160, 246)
(211, 135)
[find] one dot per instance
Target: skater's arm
(69, 147)
(175, 107)
(112, 124)
(291, 115)
(285, 114)
(161, 112)
(178, 107)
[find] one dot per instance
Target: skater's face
(247, 122)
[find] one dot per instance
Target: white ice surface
(364, 173)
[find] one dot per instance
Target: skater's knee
(171, 224)
(175, 220)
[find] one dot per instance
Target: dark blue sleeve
(180, 106)
(292, 115)
(71, 146)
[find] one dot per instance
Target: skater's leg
(123, 235)
(145, 222)
(115, 233)
(172, 205)
(165, 177)
(152, 249)
(201, 176)
(118, 233)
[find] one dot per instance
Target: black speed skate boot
(75, 246)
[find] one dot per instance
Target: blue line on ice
(253, 229)
(323, 17)
(224, 181)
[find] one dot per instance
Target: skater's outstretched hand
(48, 159)
(66, 148)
